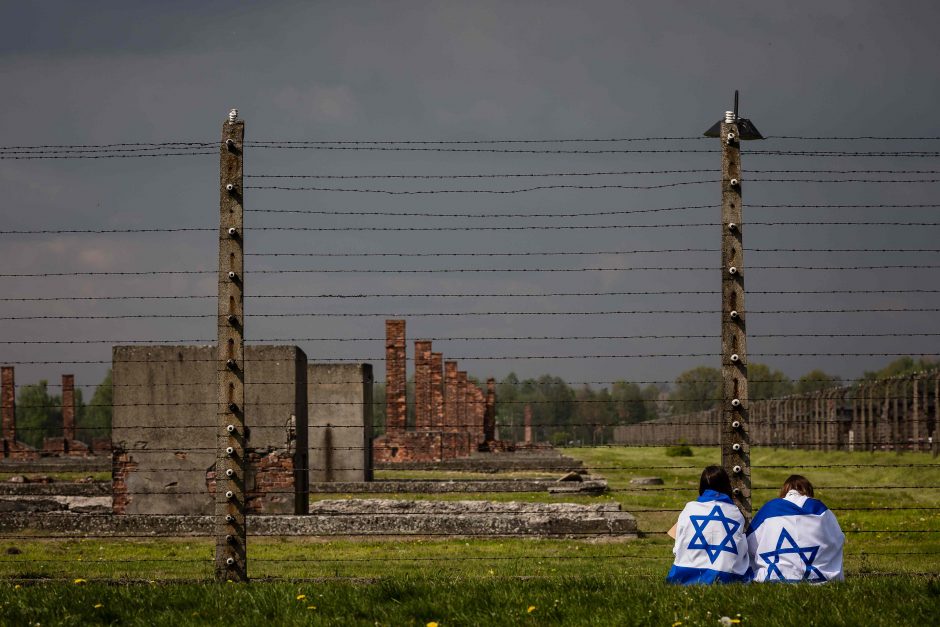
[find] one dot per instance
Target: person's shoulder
(772, 509)
(784, 507)
(814, 506)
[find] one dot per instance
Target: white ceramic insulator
(231, 275)
(229, 450)
(730, 137)
(231, 187)
(733, 314)
(230, 428)
(734, 182)
(735, 447)
(233, 115)
(735, 402)
(735, 424)
(735, 358)
(737, 470)
(230, 561)
(732, 226)
(729, 117)
(732, 270)
(229, 494)
(229, 472)
(232, 231)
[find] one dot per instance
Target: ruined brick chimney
(422, 385)
(396, 377)
(9, 403)
(437, 390)
(68, 406)
(489, 417)
(450, 396)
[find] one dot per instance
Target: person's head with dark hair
(799, 483)
(714, 478)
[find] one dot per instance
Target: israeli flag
(796, 538)
(710, 542)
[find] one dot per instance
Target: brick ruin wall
(11, 447)
(453, 416)
(66, 445)
(269, 482)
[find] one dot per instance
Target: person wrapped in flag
(796, 537)
(710, 543)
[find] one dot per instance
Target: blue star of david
(714, 550)
(806, 553)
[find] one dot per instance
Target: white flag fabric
(710, 543)
(796, 538)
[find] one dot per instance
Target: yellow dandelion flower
(301, 597)
(17, 587)
(531, 609)
(677, 623)
(311, 607)
(79, 581)
(431, 624)
(98, 606)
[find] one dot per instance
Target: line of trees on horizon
(560, 412)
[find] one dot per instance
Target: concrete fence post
(231, 557)
(735, 440)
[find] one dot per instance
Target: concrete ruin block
(339, 400)
(164, 429)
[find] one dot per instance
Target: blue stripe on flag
(687, 576)
(783, 507)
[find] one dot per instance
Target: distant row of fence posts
(896, 414)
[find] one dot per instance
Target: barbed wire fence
(861, 415)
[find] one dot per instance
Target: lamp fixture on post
(746, 128)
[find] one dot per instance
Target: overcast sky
(112, 72)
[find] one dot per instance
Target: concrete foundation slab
(363, 517)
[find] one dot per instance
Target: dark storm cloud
(110, 72)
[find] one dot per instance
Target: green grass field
(892, 561)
